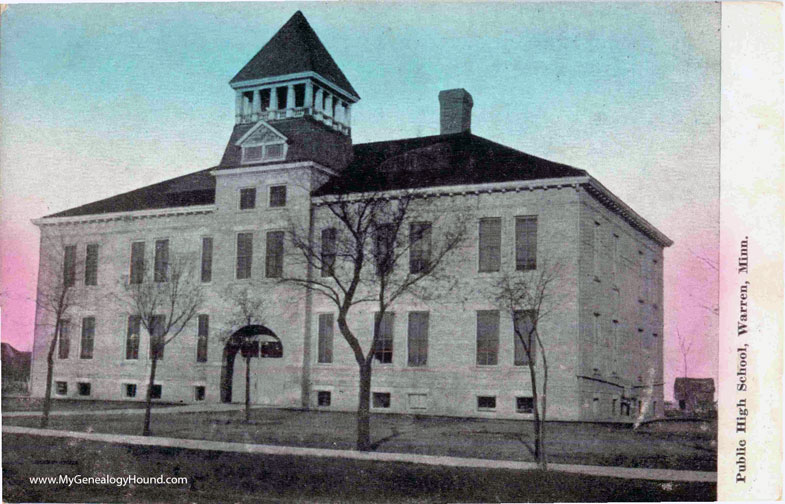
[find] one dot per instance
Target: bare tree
(359, 257)
(164, 299)
(249, 308)
(60, 270)
(529, 297)
(684, 347)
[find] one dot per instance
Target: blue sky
(100, 99)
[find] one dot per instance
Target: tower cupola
(292, 76)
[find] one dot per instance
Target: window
(418, 401)
(252, 153)
(278, 196)
(199, 393)
(595, 406)
(613, 407)
(137, 262)
(486, 403)
(419, 247)
(248, 198)
(323, 398)
(381, 399)
(524, 321)
(83, 388)
(244, 255)
(487, 337)
(526, 243)
(270, 152)
(64, 341)
(201, 341)
(88, 337)
(383, 351)
(61, 388)
(91, 265)
(418, 338)
(156, 391)
(325, 338)
(156, 336)
(132, 338)
(274, 258)
(524, 405)
(161, 260)
(273, 151)
(130, 390)
(383, 249)
(328, 252)
(207, 259)
(490, 244)
(69, 266)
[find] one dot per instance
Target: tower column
(338, 111)
(290, 100)
(238, 107)
(308, 94)
(348, 115)
(319, 100)
(328, 105)
(257, 105)
(246, 107)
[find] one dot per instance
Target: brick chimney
(455, 111)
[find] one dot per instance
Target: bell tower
(292, 103)
(293, 76)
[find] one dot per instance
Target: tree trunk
(50, 363)
(538, 456)
(248, 389)
(364, 409)
(544, 462)
(149, 405)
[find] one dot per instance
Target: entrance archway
(258, 340)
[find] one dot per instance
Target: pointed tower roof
(295, 48)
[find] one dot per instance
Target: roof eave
(617, 205)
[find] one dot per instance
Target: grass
(569, 443)
(233, 477)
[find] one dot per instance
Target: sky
(99, 99)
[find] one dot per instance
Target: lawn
(233, 477)
(569, 443)
(37, 404)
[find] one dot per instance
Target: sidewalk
(196, 444)
(189, 408)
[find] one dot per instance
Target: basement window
(61, 388)
(486, 403)
(323, 398)
(381, 399)
(524, 405)
(84, 388)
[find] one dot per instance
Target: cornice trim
(131, 215)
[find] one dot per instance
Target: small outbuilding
(694, 395)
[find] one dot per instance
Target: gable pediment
(260, 134)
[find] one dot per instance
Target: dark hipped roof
(187, 190)
(295, 48)
(439, 160)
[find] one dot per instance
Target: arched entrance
(255, 340)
